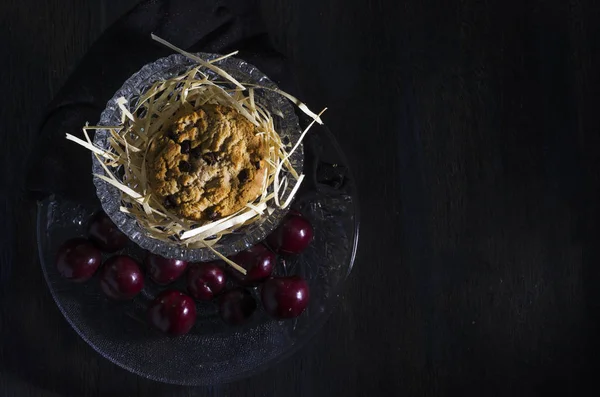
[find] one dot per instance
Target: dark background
(474, 131)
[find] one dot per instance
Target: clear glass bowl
(213, 352)
(110, 197)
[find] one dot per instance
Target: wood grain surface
(474, 133)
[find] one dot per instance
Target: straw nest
(125, 162)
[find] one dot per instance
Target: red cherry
(285, 297)
(162, 270)
(258, 262)
(292, 236)
(236, 306)
(205, 280)
(121, 278)
(105, 234)
(78, 259)
(172, 312)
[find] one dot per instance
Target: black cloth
(58, 166)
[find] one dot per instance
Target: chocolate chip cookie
(209, 165)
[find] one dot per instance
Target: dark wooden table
(474, 132)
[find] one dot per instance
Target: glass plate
(213, 352)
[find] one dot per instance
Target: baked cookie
(210, 165)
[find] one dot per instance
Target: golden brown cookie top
(210, 165)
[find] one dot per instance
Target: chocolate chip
(185, 147)
(243, 176)
(210, 158)
(196, 152)
(173, 135)
(184, 166)
(211, 214)
(170, 201)
(257, 165)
